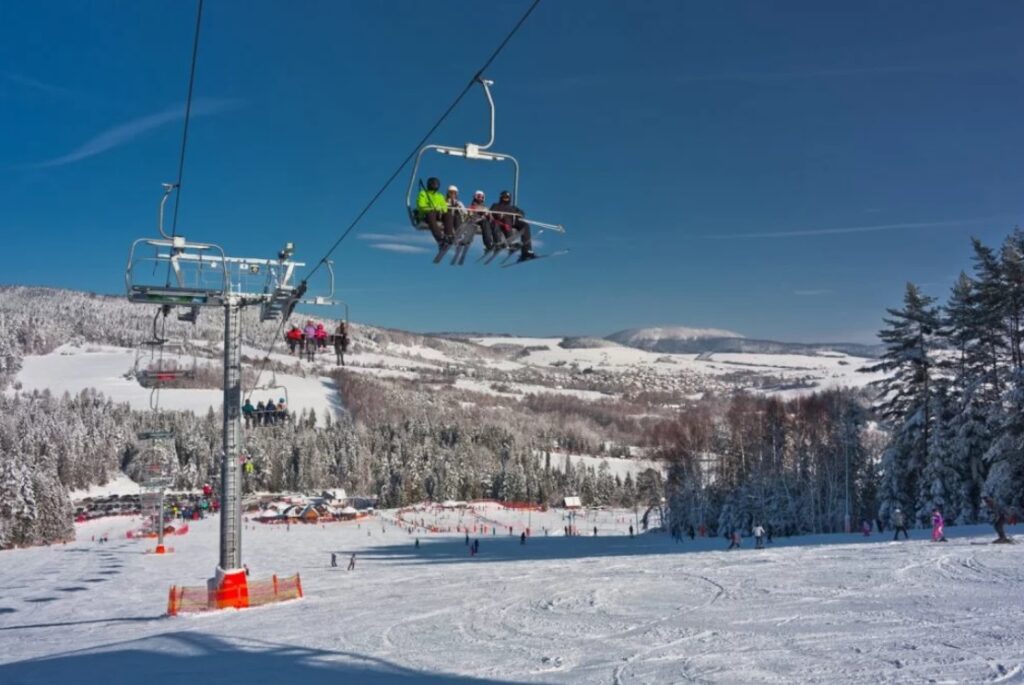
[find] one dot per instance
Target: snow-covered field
(540, 366)
(74, 369)
(809, 372)
(605, 609)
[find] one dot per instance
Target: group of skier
(502, 225)
(313, 337)
(265, 414)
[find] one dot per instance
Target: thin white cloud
(813, 292)
(129, 131)
(854, 229)
(410, 237)
(401, 248)
(37, 85)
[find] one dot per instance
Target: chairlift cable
(188, 117)
(181, 163)
(477, 76)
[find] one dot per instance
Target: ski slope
(605, 609)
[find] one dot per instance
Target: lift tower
(201, 275)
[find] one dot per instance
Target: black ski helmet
(433, 183)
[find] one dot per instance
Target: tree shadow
(505, 548)
(61, 624)
(196, 657)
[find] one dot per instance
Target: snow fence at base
(183, 599)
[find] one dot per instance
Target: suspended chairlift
(471, 151)
(199, 270)
(153, 368)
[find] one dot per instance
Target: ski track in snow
(605, 609)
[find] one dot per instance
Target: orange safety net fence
(182, 599)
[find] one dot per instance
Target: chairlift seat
(174, 295)
(155, 435)
(274, 308)
(417, 223)
(160, 376)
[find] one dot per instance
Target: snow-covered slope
(605, 609)
(637, 370)
(72, 369)
(683, 340)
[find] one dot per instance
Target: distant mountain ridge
(638, 337)
(682, 340)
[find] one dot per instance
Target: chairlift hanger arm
(490, 103)
(168, 189)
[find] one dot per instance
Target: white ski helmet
(451, 188)
(479, 194)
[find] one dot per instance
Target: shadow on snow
(184, 657)
(506, 548)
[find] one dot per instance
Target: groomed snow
(606, 609)
(616, 466)
(119, 484)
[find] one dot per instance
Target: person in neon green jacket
(432, 207)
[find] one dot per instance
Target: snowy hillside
(73, 369)
(649, 337)
(605, 609)
(69, 354)
(699, 340)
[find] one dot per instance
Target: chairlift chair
(152, 435)
(186, 260)
(155, 371)
(279, 391)
(469, 151)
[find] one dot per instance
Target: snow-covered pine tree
(905, 398)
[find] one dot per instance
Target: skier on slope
(352, 562)
(758, 536)
(938, 526)
(998, 519)
(899, 524)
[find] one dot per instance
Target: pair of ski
(492, 254)
(464, 240)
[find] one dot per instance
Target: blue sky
(778, 169)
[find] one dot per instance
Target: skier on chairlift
(341, 343)
(294, 338)
(455, 206)
(248, 412)
(432, 207)
(477, 213)
(508, 219)
(320, 335)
